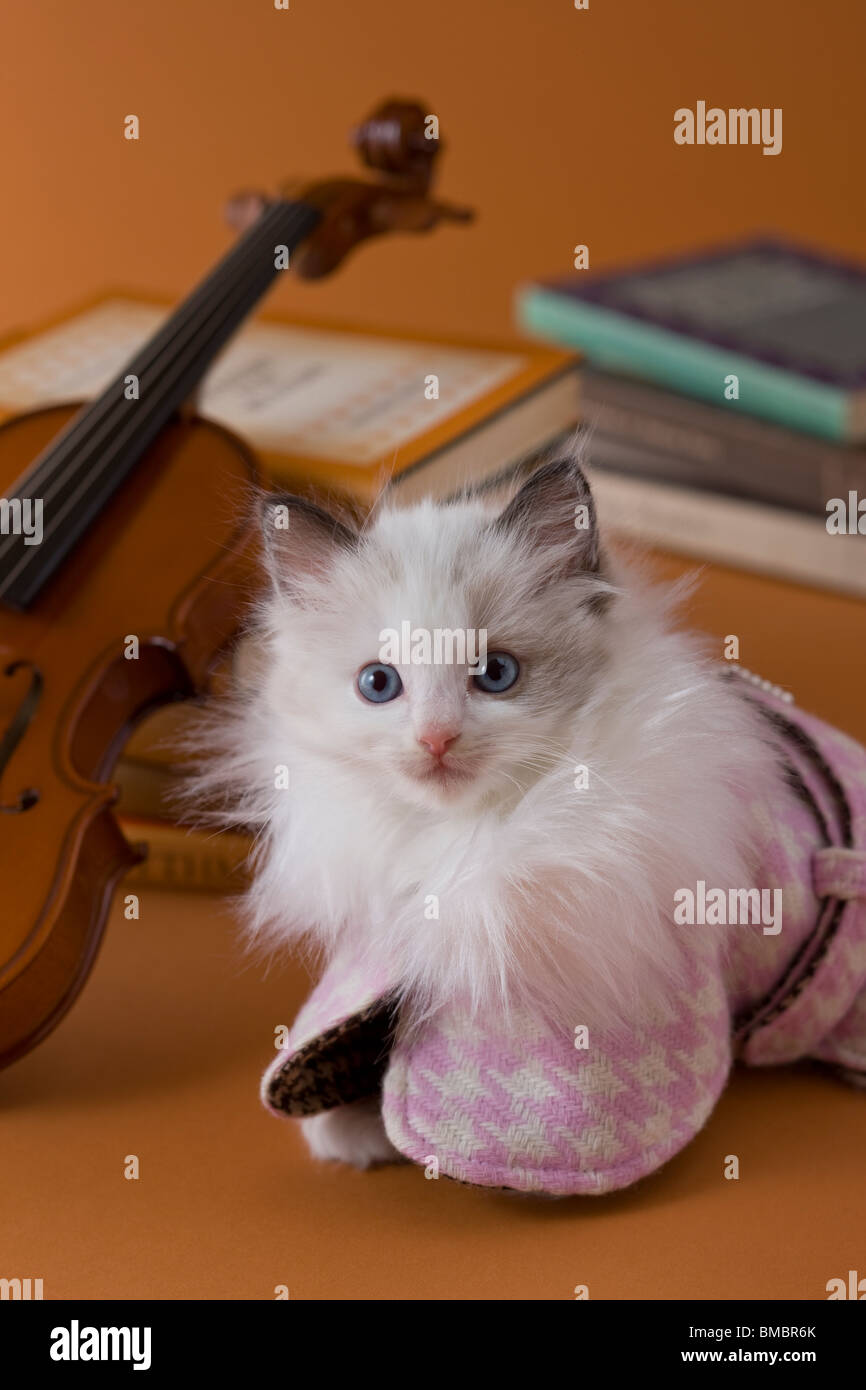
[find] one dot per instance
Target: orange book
(179, 859)
(336, 408)
(155, 741)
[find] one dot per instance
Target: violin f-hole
(17, 728)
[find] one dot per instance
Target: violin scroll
(396, 142)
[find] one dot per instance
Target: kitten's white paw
(351, 1134)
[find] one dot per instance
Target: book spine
(618, 343)
(728, 531)
(182, 860)
(634, 429)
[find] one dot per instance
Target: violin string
(100, 483)
(60, 467)
(175, 325)
(182, 364)
(107, 427)
(256, 279)
(258, 275)
(164, 368)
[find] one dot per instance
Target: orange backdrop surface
(560, 125)
(559, 121)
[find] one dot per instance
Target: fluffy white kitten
(551, 818)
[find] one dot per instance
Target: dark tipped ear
(301, 540)
(555, 513)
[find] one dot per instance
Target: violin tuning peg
(242, 210)
(394, 140)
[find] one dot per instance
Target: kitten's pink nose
(437, 741)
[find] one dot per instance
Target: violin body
(137, 581)
(167, 563)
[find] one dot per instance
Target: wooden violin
(120, 521)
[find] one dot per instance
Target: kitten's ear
(554, 511)
(301, 540)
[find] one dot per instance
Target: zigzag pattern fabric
(517, 1104)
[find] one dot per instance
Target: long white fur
(548, 896)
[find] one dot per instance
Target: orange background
(559, 125)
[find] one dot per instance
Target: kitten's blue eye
(378, 683)
(499, 673)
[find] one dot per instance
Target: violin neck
(85, 466)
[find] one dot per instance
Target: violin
(125, 573)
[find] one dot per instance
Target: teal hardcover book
(764, 327)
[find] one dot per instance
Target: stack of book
(724, 398)
(725, 404)
(336, 410)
